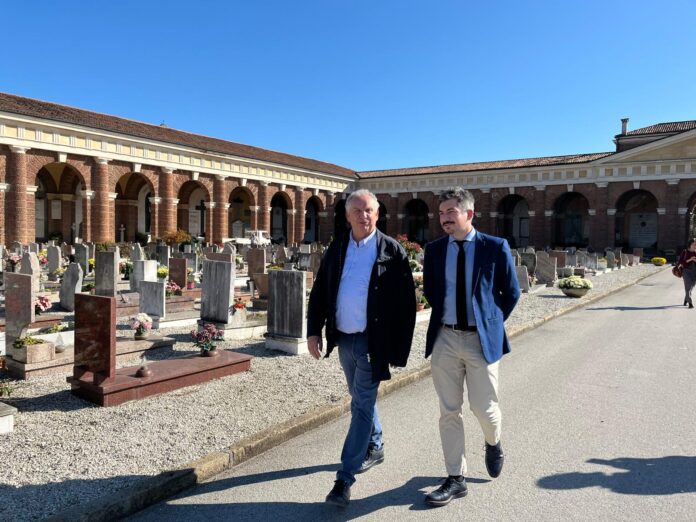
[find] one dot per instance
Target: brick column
(16, 218)
(300, 202)
(30, 227)
(112, 231)
(254, 217)
(220, 227)
(482, 206)
(291, 217)
(167, 209)
(88, 196)
(600, 227)
(100, 205)
(209, 215)
(668, 224)
(537, 220)
(3, 190)
(264, 203)
(392, 215)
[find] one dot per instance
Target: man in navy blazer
(470, 282)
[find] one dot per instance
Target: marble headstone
(69, 286)
(217, 293)
(30, 266)
(287, 307)
(142, 271)
(106, 275)
(152, 300)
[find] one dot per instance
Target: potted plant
(575, 286)
(90, 264)
(207, 338)
(13, 261)
(658, 261)
(57, 274)
(142, 324)
(41, 304)
(162, 272)
(125, 267)
(190, 279)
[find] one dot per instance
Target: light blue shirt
(449, 315)
(351, 304)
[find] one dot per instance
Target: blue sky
(366, 84)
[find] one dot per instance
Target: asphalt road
(599, 423)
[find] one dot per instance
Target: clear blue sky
(366, 84)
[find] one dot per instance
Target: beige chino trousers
(457, 357)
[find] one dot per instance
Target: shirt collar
(363, 242)
(469, 237)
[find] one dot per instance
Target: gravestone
(163, 255)
(19, 306)
(137, 253)
(581, 258)
(314, 263)
(571, 259)
(591, 261)
(256, 261)
(69, 286)
(177, 271)
(7, 414)
(54, 258)
(67, 250)
(611, 260)
(34, 248)
(515, 257)
(638, 252)
(142, 271)
(305, 249)
(17, 248)
(95, 338)
(82, 257)
(560, 257)
(229, 248)
(191, 260)
(624, 260)
(522, 277)
(91, 250)
(30, 266)
(188, 249)
(217, 292)
(546, 269)
(287, 307)
(281, 255)
(530, 261)
(238, 229)
(106, 273)
(152, 300)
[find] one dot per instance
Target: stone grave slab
(287, 309)
(546, 270)
(217, 294)
(177, 271)
(152, 301)
(69, 286)
(107, 274)
(522, 277)
(30, 266)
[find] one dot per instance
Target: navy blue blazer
(495, 291)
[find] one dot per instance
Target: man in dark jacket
(364, 294)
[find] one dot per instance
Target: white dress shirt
(351, 304)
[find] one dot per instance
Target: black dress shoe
(452, 488)
(374, 456)
(494, 459)
(340, 494)
(686, 301)
(691, 304)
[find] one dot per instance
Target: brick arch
(316, 200)
(283, 194)
(183, 180)
(186, 189)
(135, 183)
(37, 159)
(117, 170)
(245, 190)
(70, 179)
(570, 218)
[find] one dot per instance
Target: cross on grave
(201, 210)
(122, 230)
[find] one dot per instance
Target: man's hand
(315, 345)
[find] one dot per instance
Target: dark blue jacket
(495, 291)
(391, 303)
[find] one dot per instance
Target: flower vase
(420, 306)
(140, 334)
(575, 292)
(190, 285)
(213, 352)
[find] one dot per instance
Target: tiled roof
(486, 165)
(660, 128)
(62, 113)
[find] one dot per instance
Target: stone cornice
(27, 132)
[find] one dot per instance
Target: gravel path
(65, 451)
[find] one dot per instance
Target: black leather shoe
(494, 459)
(340, 494)
(374, 456)
(686, 301)
(691, 304)
(452, 488)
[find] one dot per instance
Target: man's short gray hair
(465, 199)
(360, 194)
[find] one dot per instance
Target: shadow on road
(634, 308)
(410, 494)
(637, 476)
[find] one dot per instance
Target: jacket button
(375, 288)
(376, 319)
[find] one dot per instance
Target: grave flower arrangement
(90, 263)
(207, 338)
(658, 261)
(574, 282)
(43, 259)
(141, 323)
(41, 304)
(171, 288)
(13, 260)
(412, 248)
(125, 267)
(162, 272)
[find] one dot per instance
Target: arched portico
(133, 208)
(513, 220)
(193, 208)
(636, 221)
(571, 223)
(416, 212)
(58, 211)
(239, 215)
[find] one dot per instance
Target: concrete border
(151, 490)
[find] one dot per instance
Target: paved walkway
(599, 420)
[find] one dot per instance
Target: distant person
(365, 295)
(687, 262)
(470, 282)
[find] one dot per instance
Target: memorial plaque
(95, 337)
(177, 271)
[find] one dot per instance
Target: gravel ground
(65, 451)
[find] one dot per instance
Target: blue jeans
(365, 429)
